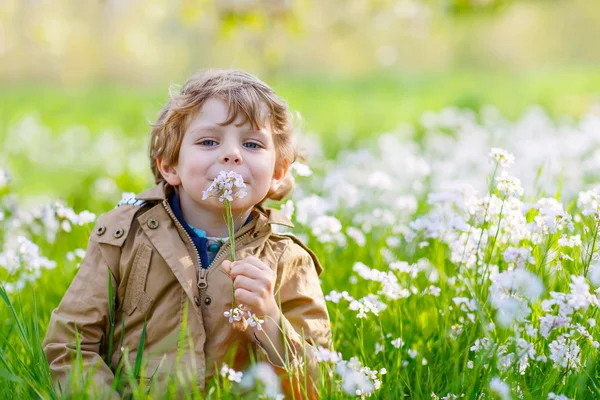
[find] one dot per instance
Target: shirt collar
(191, 230)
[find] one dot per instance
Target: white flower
(398, 343)
(327, 229)
(481, 344)
(357, 235)
(288, 209)
(594, 273)
(589, 202)
(325, 355)
(263, 372)
(231, 374)
(236, 314)
(519, 256)
(334, 296)
(571, 241)
(551, 216)
(412, 353)
(565, 353)
(301, 169)
(226, 186)
(551, 322)
(254, 321)
(510, 293)
(369, 303)
(500, 387)
(470, 364)
(4, 178)
(502, 157)
(552, 396)
(509, 186)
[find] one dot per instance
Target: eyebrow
(219, 128)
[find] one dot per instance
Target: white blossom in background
(23, 261)
(511, 292)
(366, 305)
(565, 353)
(231, 374)
(500, 387)
(325, 355)
(334, 296)
(357, 235)
(552, 396)
(570, 241)
(75, 254)
(502, 157)
(552, 216)
(4, 178)
(519, 256)
(509, 186)
(594, 273)
(589, 202)
(328, 229)
(264, 374)
(310, 208)
(301, 169)
(288, 209)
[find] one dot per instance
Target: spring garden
(456, 215)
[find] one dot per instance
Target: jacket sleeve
(305, 320)
(83, 309)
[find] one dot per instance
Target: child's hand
(254, 283)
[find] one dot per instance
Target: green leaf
(4, 374)
(140, 351)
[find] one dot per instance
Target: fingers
(250, 270)
(256, 262)
(243, 282)
(226, 266)
(245, 297)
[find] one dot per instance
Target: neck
(212, 221)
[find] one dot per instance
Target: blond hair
(246, 95)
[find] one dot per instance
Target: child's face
(208, 148)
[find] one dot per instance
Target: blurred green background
(350, 68)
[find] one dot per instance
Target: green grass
(347, 108)
(341, 111)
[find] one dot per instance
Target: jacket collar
(161, 191)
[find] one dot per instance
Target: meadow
(456, 217)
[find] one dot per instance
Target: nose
(231, 154)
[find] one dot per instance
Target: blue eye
(208, 142)
(253, 145)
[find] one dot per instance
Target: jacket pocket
(135, 294)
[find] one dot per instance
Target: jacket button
(197, 301)
(100, 231)
(207, 300)
(119, 233)
(152, 223)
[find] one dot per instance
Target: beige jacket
(153, 266)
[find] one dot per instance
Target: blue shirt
(207, 247)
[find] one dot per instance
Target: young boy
(166, 251)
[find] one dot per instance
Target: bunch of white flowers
(226, 186)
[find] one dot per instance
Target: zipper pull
(202, 284)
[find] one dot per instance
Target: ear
(278, 177)
(168, 172)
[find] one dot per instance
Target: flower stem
(230, 230)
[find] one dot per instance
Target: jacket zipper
(174, 218)
(227, 246)
(202, 282)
